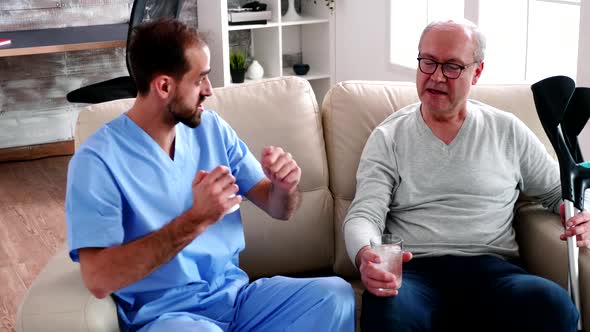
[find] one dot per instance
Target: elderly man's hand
(578, 225)
(376, 280)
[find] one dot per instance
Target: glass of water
(389, 247)
(233, 208)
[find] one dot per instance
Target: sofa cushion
(94, 116)
(283, 112)
(352, 109)
(350, 112)
(59, 301)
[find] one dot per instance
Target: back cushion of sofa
(350, 112)
(95, 116)
(352, 109)
(284, 113)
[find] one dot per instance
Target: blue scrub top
(122, 186)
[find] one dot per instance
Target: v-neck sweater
(449, 199)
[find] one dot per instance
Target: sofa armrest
(59, 301)
(544, 254)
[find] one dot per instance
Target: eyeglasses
(450, 70)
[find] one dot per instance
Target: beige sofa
(327, 144)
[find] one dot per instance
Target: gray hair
(478, 36)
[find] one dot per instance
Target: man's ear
(164, 86)
(478, 71)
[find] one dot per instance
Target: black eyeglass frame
(443, 66)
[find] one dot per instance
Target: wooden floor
(32, 226)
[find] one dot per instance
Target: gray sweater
(454, 199)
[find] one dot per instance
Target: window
(553, 47)
(527, 40)
(408, 18)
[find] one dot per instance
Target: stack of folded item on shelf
(241, 16)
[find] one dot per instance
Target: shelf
(305, 37)
(305, 20)
(64, 39)
(252, 26)
(311, 74)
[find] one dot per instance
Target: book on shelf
(4, 41)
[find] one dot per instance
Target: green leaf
(237, 61)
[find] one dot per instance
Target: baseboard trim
(38, 151)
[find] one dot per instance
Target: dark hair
(157, 47)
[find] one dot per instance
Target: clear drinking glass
(389, 247)
(233, 208)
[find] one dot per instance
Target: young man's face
(447, 43)
(187, 102)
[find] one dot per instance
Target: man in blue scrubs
(148, 207)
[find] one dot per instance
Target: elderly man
(444, 174)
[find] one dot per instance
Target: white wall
(584, 69)
(362, 44)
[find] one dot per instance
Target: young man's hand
(213, 195)
(281, 169)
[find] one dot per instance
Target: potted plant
(237, 66)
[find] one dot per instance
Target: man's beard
(187, 116)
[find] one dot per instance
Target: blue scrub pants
(277, 304)
(482, 293)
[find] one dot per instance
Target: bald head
(470, 29)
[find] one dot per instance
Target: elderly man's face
(447, 43)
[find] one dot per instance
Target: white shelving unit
(311, 34)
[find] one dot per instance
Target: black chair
(124, 86)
